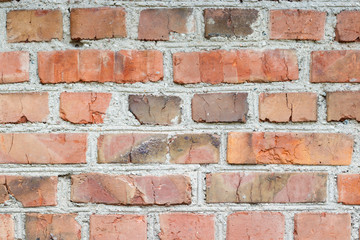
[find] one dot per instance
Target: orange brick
(14, 67)
(7, 231)
(343, 105)
(289, 148)
(288, 107)
(348, 186)
(34, 25)
(97, 23)
(295, 24)
(96, 66)
(348, 26)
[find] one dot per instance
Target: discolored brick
(23, 107)
(7, 231)
(195, 148)
(289, 148)
(235, 66)
(42, 148)
(229, 22)
(14, 67)
(314, 226)
(132, 148)
(34, 25)
(288, 107)
(337, 66)
(96, 66)
(130, 189)
(229, 107)
(348, 26)
(186, 226)
(158, 24)
(296, 24)
(266, 187)
(255, 226)
(97, 23)
(343, 105)
(103, 227)
(52, 226)
(348, 186)
(158, 110)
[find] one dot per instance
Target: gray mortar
(119, 119)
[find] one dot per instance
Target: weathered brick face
(179, 120)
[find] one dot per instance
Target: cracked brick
(158, 24)
(229, 22)
(158, 110)
(348, 186)
(219, 107)
(14, 67)
(295, 24)
(97, 23)
(84, 107)
(266, 187)
(116, 226)
(289, 148)
(52, 226)
(235, 66)
(34, 25)
(343, 105)
(288, 107)
(7, 226)
(187, 226)
(130, 189)
(42, 148)
(23, 107)
(348, 26)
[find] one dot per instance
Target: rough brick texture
(7, 231)
(159, 24)
(288, 107)
(34, 25)
(187, 226)
(230, 107)
(229, 22)
(337, 66)
(14, 67)
(255, 225)
(289, 148)
(97, 23)
(343, 106)
(38, 148)
(130, 190)
(104, 227)
(235, 66)
(125, 66)
(348, 186)
(24, 107)
(266, 187)
(314, 226)
(348, 26)
(297, 24)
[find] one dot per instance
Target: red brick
(348, 186)
(104, 227)
(14, 67)
(259, 187)
(34, 25)
(235, 66)
(255, 226)
(348, 26)
(126, 66)
(343, 106)
(289, 148)
(52, 226)
(29, 191)
(315, 226)
(23, 107)
(132, 148)
(295, 24)
(187, 226)
(158, 24)
(42, 148)
(335, 66)
(138, 66)
(84, 107)
(130, 189)
(288, 107)
(97, 23)
(7, 231)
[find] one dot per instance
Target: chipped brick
(343, 105)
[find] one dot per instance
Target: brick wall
(220, 119)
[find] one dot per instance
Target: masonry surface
(179, 119)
